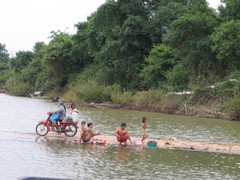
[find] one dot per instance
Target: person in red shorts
(122, 134)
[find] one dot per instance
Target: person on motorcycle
(62, 112)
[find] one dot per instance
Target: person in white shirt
(74, 113)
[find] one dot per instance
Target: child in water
(122, 134)
(83, 130)
(88, 133)
(144, 129)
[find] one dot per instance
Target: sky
(25, 22)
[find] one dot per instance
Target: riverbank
(173, 105)
(161, 144)
(219, 102)
(184, 110)
(197, 104)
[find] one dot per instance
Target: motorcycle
(68, 128)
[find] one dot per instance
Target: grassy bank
(219, 101)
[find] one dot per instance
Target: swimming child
(122, 134)
(144, 129)
(83, 130)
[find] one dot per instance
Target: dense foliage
(134, 45)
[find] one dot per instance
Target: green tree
(58, 60)
(198, 6)
(80, 51)
(31, 73)
(38, 47)
(4, 65)
(159, 62)
(4, 57)
(163, 17)
(230, 10)
(124, 57)
(188, 36)
(226, 40)
(118, 41)
(22, 59)
(178, 79)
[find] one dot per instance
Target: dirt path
(181, 145)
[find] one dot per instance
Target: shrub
(234, 75)
(125, 98)
(90, 72)
(52, 94)
(70, 95)
(159, 61)
(202, 95)
(227, 89)
(232, 107)
(90, 91)
(151, 99)
(4, 76)
(222, 92)
(178, 79)
(17, 88)
(170, 104)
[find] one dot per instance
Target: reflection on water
(23, 155)
(31, 156)
(129, 163)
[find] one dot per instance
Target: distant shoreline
(183, 110)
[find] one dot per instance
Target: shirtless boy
(83, 130)
(88, 134)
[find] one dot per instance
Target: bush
(234, 75)
(17, 88)
(90, 72)
(90, 91)
(227, 89)
(159, 61)
(202, 95)
(151, 100)
(71, 95)
(222, 92)
(178, 79)
(125, 98)
(4, 76)
(52, 94)
(232, 107)
(170, 104)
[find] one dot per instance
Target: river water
(23, 155)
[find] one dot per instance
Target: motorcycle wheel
(41, 129)
(70, 130)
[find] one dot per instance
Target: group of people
(121, 132)
(86, 134)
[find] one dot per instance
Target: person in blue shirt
(62, 114)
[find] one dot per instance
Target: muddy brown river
(24, 156)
